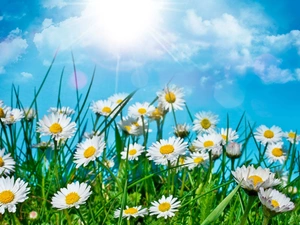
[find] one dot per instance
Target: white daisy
(164, 207)
(135, 211)
(103, 107)
(196, 159)
(228, 135)
(134, 151)
(7, 163)
(3, 110)
(29, 114)
(140, 109)
(182, 130)
(216, 152)
(292, 137)
(74, 195)
(252, 179)
(167, 150)
(275, 152)
(233, 150)
(109, 163)
(157, 113)
(88, 150)
(63, 110)
(59, 126)
(205, 122)
(133, 126)
(171, 97)
(180, 163)
(44, 145)
(33, 215)
(267, 135)
(207, 141)
(118, 98)
(11, 193)
(275, 201)
(13, 116)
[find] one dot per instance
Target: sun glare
(124, 21)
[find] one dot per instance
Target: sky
(230, 56)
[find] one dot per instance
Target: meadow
(115, 161)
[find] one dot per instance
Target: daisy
(140, 109)
(63, 110)
(90, 135)
(74, 195)
(29, 114)
(275, 153)
(44, 145)
(196, 159)
(205, 122)
(3, 109)
(252, 179)
(182, 130)
(164, 207)
(12, 192)
(157, 113)
(109, 163)
(180, 163)
(216, 152)
(131, 212)
(13, 116)
(233, 150)
(207, 141)
(7, 163)
(133, 126)
(275, 201)
(267, 135)
(89, 150)
(292, 137)
(228, 135)
(167, 150)
(59, 126)
(118, 98)
(103, 107)
(33, 215)
(171, 97)
(134, 151)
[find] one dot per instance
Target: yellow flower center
(72, 198)
(205, 123)
(269, 134)
(119, 101)
(256, 179)
(274, 203)
(1, 162)
(291, 135)
(208, 144)
(90, 151)
(170, 97)
(55, 128)
(198, 160)
(163, 207)
(128, 128)
(136, 124)
(181, 160)
(132, 151)
(131, 211)
(142, 111)
(166, 149)
(224, 137)
(2, 115)
(277, 152)
(6, 197)
(106, 110)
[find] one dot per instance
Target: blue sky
(230, 56)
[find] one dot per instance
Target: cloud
(1, 18)
(54, 4)
(12, 48)
(26, 75)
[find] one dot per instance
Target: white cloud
(54, 4)
(47, 23)
(12, 49)
(1, 18)
(26, 75)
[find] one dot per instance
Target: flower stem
(251, 200)
(266, 220)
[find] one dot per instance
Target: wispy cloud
(26, 75)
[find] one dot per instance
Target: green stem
(182, 183)
(266, 220)
(68, 217)
(251, 200)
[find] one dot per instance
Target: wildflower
(275, 201)
(157, 113)
(43, 145)
(118, 98)
(275, 152)
(109, 162)
(233, 150)
(252, 179)
(90, 135)
(171, 97)
(135, 211)
(11, 193)
(196, 159)
(228, 135)
(167, 150)
(182, 130)
(33, 215)
(216, 152)
(140, 109)
(133, 126)
(103, 107)
(59, 126)
(63, 110)
(292, 137)
(3, 110)
(207, 141)
(205, 122)
(7, 163)
(29, 114)
(267, 135)
(13, 116)
(180, 163)
(74, 195)
(89, 150)
(134, 151)
(164, 207)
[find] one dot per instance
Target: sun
(124, 21)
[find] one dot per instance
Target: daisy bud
(233, 150)
(33, 215)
